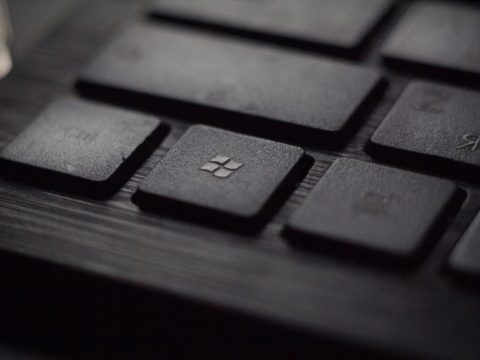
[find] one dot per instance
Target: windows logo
(221, 166)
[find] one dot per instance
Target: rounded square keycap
(81, 141)
(221, 171)
(438, 35)
(372, 207)
(433, 120)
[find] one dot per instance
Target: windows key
(215, 175)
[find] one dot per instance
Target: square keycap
(371, 207)
(440, 35)
(338, 23)
(438, 121)
(79, 141)
(219, 171)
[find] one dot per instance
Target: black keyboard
(253, 177)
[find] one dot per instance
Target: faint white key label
(221, 166)
(470, 141)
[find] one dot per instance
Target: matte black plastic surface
(222, 171)
(438, 34)
(228, 74)
(466, 256)
(96, 277)
(374, 207)
(83, 140)
(434, 120)
(339, 23)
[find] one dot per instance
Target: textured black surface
(466, 257)
(437, 34)
(221, 171)
(222, 73)
(78, 140)
(104, 279)
(373, 207)
(434, 120)
(337, 23)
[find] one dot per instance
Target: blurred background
(23, 23)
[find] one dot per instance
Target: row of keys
(434, 34)
(226, 176)
(280, 88)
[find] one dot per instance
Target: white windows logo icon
(221, 166)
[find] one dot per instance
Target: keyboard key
(187, 67)
(82, 143)
(220, 174)
(342, 24)
(465, 258)
(439, 35)
(434, 120)
(371, 208)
